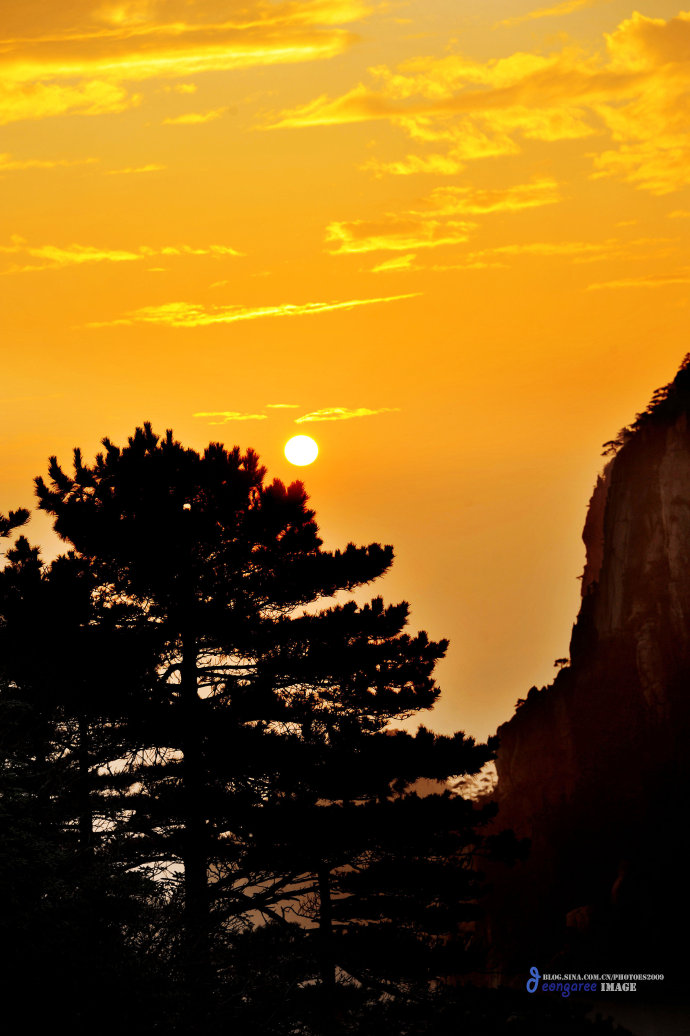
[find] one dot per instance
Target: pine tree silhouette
(259, 739)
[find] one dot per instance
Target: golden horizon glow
(301, 450)
(486, 206)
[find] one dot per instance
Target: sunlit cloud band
(56, 257)
(223, 416)
(188, 314)
(341, 413)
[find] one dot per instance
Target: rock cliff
(595, 768)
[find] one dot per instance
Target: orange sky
(463, 223)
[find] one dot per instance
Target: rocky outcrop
(594, 769)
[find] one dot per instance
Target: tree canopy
(201, 724)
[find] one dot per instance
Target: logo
(567, 984)
(533, 983)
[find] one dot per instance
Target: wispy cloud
(660, 280)
(40, 100)
(440, 165)
(573, 249)
(334, 413)
(634, 96)
(10, 164)
(577, 252)
(223, 416)
(523, 88)
(434, 224)
(52, 257)
(195, 118)
(398, 264)
(468, 264)
(394, 233)
(151, 168)
(188, 314)
(342, 413)
(82, 60)
(358, 105)
(552, 12)
(480, 201)
(215, 250)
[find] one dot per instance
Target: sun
(301, 450)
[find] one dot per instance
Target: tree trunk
(84, 793)
(326, 955)
(194, 848)
(327, 963)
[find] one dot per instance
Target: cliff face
(594, 769)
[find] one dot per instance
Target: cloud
(479, 201)
(213, 250)
(398, 264)
(651, 133)
(188, 314)
(230, 415)
(395, 233)
(79, 60)
(126, 12)
(562, 122)
(435, 225)
(10, 164)
(465, 140)
(54, 257)
(578, 251)
(551, 12)
(40, 100)
(651, 281)
(87, 19)
(469, 264)
(358, 105)
(656, 166)
(151, 168)
(439, 88)
(341, 413)
(283, 406)
(635, 95)
(195, 118)
(443, 165)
